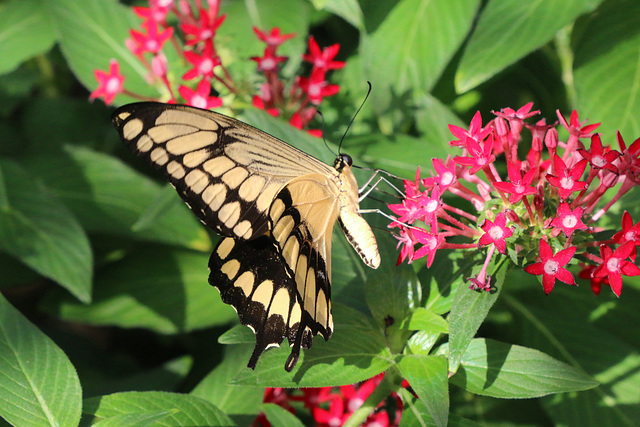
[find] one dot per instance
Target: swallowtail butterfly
(275, 207)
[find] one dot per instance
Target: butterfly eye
(341, 161)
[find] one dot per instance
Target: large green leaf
(25, 31)
(41, 232)
(411, 48)
(39, 385)
(510, 29)
(496, 369)
(162, 289)
(427, 375)
(109, 197)
(607, 70)
(154, 408)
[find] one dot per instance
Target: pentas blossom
(207, 80)
(333, 406)
(551, 196)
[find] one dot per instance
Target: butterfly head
(342, 161)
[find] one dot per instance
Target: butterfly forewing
(275, 204)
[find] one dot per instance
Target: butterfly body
(275, 206)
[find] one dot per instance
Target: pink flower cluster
(544, 210)
(332, 406)
(207, 77)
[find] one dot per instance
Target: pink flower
(569, 220)
(152, 41)
(269, 61)
(274, 38)
(200, 97)
(316, 87)
(575, 127)
(430, 244)
(475, 132)
(615, 264)
(407, 241)
(323, 59)
(479, 155)
(552, 266)
(204, 29)
(109, 84)
(203, 64)
(445, 175)
(496, 232)
(519, 187)
(565, 179)
(597, 157)
(630, 233)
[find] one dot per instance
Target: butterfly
(274, 206)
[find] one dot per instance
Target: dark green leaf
(40, 231)
(39, 385)
(278, 416)
(427, 375)
(183, 410)
(492, 368)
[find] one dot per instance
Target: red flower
(430, 244)
(109, 84)
(575, 127)
(630, 233)
(566, 180)
(519, 187)
(203, 64)
(552, 266)
(407, 241)
(323, 59)
(569, 220)
(614, 265)
(496, 232)
(200, 97)
(259, 103)
(269, 61)
(595, 282)
(152, 41)
(597, 157)
(205, 29)
(274, 38)
(334, 417)
(475, 132)
(479, 155)
(446, 175)
(316, 87)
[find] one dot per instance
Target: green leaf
(496, 369)
(469, 311)
(25, 31)
(606, 75)
(349, 10)
(231, 398)
(356, 352)
(278, 416)
(109, 197)
(39, 230)
(426, 320)
(158, 288)
(427, 375)
(90, 33)
(39, 385)
(411, 48)
(510, 29)
(182, 410)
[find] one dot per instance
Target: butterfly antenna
(354, 116)
(318, 112)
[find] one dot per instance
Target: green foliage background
(106, 312)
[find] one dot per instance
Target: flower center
(613, 265)
(551, 267)
(199, 102)
(567, 183)
(432, 206)
(496, 233)
(569, 221)
(447, 178)
(598, 161)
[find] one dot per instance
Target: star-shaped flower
(496, 232)
(615, 265)
(551, 266)
(598, 157)
(567, 179)
(519, 187)
(569, 220)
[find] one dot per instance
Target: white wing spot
(187, 143)
(251, 188)
(322, 315)
(310, 293)
(225, 247)
(159, 156)
(290, 251)
(245, 282)
(229, 214)
(163, 133)
(196, 180)
(181, 116)
(144, 144)
(234, 177)
(218, 165)
(231, 268)
(280, 303)
(266, 197)
(277, 207)
(263, 293)
(175, 169)
(195, 158)
(214, 196)
(132, 128)
(243, 228)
